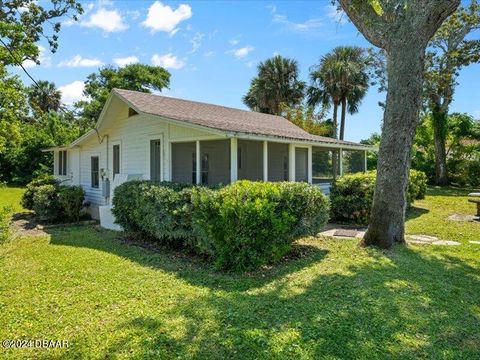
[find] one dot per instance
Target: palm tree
(340, 79)
(276, 84)
(44, 96)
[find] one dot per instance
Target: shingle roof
(220, 117)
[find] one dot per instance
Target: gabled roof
(220, 117)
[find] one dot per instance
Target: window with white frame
(62, 163)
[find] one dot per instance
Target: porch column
(197, 162)
(291, 162)
(309, 165)
(265, 161)
(365, 167)
(340, 151)
(233, 160)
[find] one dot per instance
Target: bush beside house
(240, 226)
(351, 196)
(53, 202)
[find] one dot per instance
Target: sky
(212, 48)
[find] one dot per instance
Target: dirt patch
(24, 224)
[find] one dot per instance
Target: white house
(147, 136)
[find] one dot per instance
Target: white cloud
(163, 18)
(168, 61)
(233, 41)
(241, 52)
(126, 60)
(107, 20)
(79, 61)
(196, 42)
(208, 53)
(301, 27)
(44, 60)
(73, 92)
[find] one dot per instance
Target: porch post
(365, 167)
(265, 161)
(340, 161)
(233, 160)
(309, 165)
(197, 161)
(291, 162)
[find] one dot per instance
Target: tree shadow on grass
(414, 212)
(407, 303)
(196, 270)
(450, 191)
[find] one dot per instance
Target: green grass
(10, 196)
(331, 300)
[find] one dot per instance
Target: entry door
(155, 160)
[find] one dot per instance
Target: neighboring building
(141, 135)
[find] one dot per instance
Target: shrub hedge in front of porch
(239, 227)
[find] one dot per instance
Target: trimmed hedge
(239, 227)
(53, 202)
(351, 195)
(249, 224)
(27, 198)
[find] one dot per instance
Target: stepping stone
(474, 242)
(421, 239)
(345, 233)
(446, 243)
(463, 217)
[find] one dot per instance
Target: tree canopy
(137, 77)
(277, 83)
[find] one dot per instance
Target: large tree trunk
(405, 79)
(342, 124)
(439, 136)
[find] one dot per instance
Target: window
(62, 163)
(94, 166)
(116, 159)
(155, 160)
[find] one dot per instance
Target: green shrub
(249, 224)
(70, 200)
(27, 199)
(5, 221)
(240, 226)
(417, 184)
(351, 195)
(46, 204)
(159, 210)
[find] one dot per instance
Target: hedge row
(239, 227)
(53, 202)
(351, 196)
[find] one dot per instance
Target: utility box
(106, 188)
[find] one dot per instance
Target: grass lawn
(332, 300)
(10, 196)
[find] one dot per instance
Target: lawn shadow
(189, 267)
(414, 212)
(400, 304)
(449, 191)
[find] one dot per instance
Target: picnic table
(476, 201)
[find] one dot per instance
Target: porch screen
(322, 165)
(184, 163)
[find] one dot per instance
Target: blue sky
(211, 48)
